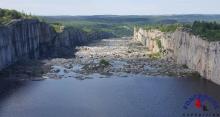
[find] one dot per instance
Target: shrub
(7, 15)
(58, 27)
(103, 62)
(155, 55)
(159, 43)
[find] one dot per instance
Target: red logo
(199, 105)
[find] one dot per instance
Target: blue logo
(201, 105)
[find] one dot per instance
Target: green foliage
(103, 62)
(7, 15)
(169, 28)
(155, 55)
(209, 30)
(115, 30)
(119, 26)
(112, 30)
(58, 27)
(162, 27)
(159, 43)
(114, 26)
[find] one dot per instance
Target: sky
(113, 7)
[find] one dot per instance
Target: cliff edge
(185, 48)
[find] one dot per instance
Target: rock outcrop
(32, 39)
(63, 43)
(186, 49)
(21, 39)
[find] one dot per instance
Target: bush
(7, 15)
(155, 55)
(159, 44)
(104, 63)
(58, 27)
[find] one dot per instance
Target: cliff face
(66, 41)
(32, 39)
(185, 48)
(71, 36)
(21, 39)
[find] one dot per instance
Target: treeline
(162, 27)
(208, 30)
(7, 15)
(111, 29)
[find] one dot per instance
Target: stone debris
(121, 57)
(125, 57)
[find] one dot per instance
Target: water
(136, 96)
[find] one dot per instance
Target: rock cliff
(186, 49)
(32, 39)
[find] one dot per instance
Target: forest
(208, 30)
(205, 26)
(119, 26)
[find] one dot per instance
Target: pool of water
(135, 96)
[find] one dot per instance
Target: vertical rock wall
(185, 48)
(6, 49)
(22, 39)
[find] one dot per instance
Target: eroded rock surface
(186, 49)
(124, 57)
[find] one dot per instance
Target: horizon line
(129, 15)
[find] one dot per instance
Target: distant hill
(137, 18)
(123, 25)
